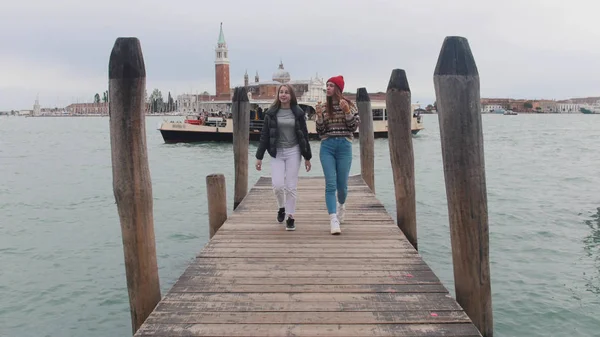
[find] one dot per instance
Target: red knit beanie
(339, 81)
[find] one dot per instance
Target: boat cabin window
(379, 114)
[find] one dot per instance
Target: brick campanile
(222, 68)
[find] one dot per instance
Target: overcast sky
(523, 48)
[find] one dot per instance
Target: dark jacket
(270, 134)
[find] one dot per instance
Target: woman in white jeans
(285, 137)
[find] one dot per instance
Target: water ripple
(62, 255)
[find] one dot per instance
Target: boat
(510, 113)
(219, 128)
(590, 109)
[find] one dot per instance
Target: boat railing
(256, 125)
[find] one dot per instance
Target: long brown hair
(293, 100)
(339, 97)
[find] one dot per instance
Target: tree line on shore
(155, 103)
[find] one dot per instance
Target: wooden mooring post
(216, 193)
(366, 138)
(240, 109)
(456, 81)
(132, 185)
(398, 107)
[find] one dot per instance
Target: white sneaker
(341, 212)
(335, 225)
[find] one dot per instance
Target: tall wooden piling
(131, 176)
(456, 81)
(399, 112)
(241, 141)
(366, 137)
(216, 193)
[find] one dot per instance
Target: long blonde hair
(339, 96)
(293, 100)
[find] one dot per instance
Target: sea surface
(61, 255)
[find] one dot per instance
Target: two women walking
(285, 137)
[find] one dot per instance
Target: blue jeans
(336, 159)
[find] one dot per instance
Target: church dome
(281, 75)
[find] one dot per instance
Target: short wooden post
(132, 186)
(398, 107)
(241, 142)
(456, 81)
(216, 193)
(366, 138)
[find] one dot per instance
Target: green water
(61, 256)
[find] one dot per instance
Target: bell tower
(222, 68)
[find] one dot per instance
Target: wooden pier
(254, 278)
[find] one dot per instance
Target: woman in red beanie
(336, 123)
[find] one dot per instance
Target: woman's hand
(319, 109)
(307, 165)
(258, 164)
(345, 107)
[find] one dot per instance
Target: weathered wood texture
(216, 193)
(254, 278)
(401, 153)
(456, 83)
(132, 186)
(240, 111)
(367, 138)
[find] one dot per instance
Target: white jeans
(284, 176)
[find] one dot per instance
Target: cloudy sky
(59, 49)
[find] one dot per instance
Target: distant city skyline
(523, 49)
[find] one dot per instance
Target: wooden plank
(310, 330)
(231, 273)
(308, 216)
(306, 244)
(420, 275)
(356, 317)
(309, 280)
(316, 267)
(366, 204)
(308, 219)
(307, 237)
(270, 220)
(268, 201)
(311, 230)
(365, 212)
(253, 278)
(302, 288)
(434, 303)
(308, 297)
(311, 214)
(313, 250)
(319, 240)
(308, 254)
(292, 260)
(270, 223)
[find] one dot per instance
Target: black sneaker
(281, 214)
(289, 224)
